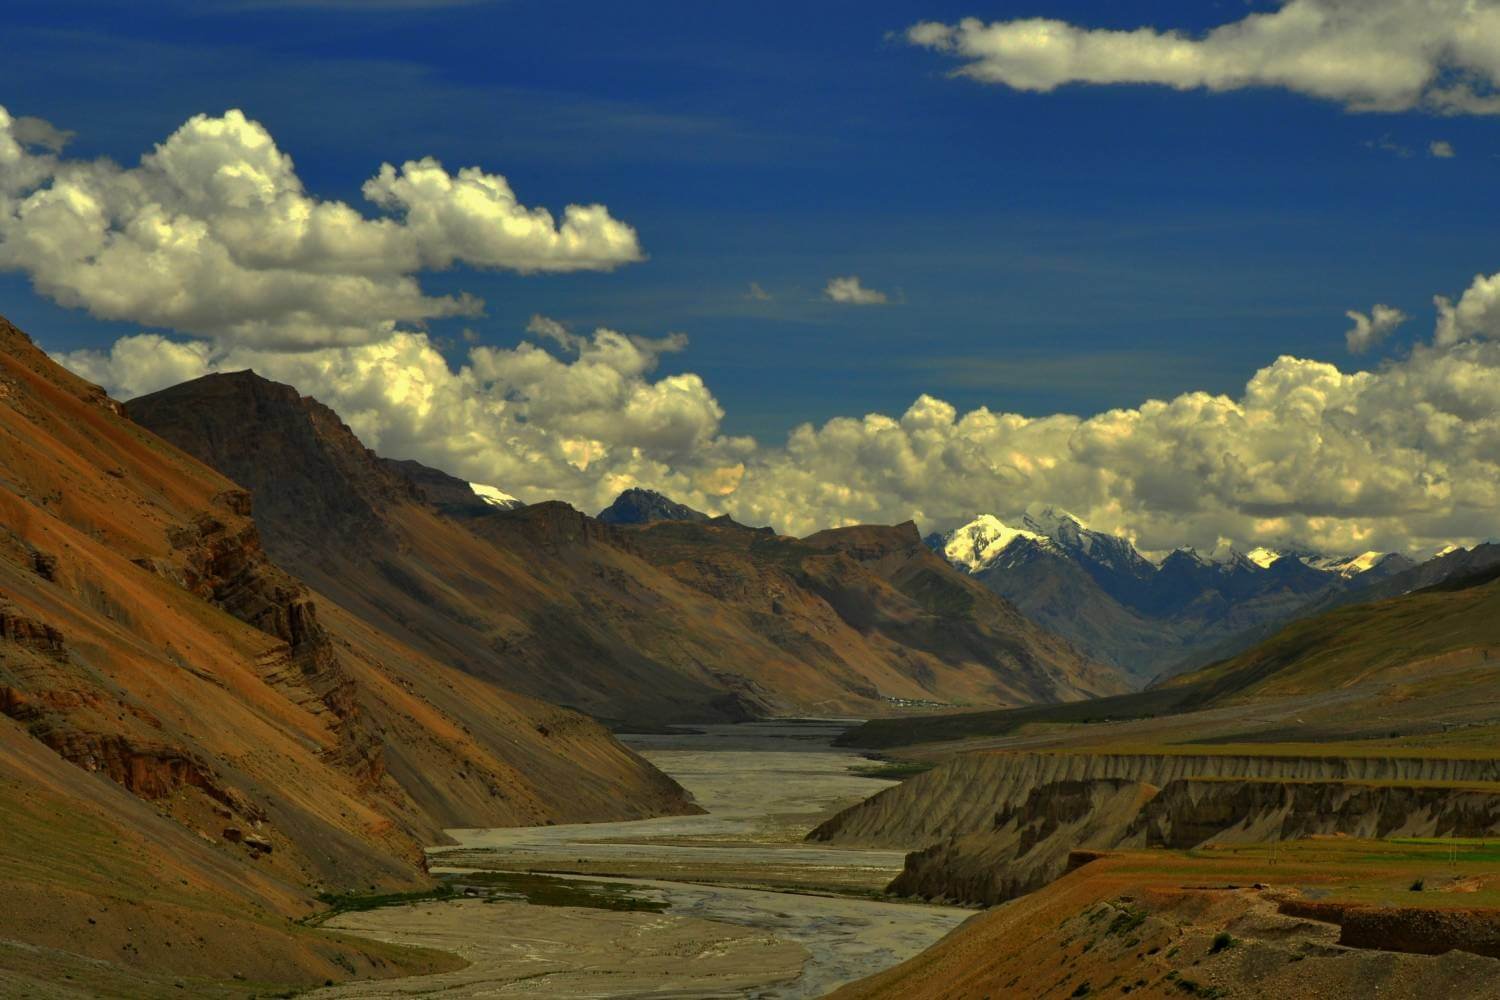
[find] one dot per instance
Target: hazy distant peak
(1060, 526)
(641, 506)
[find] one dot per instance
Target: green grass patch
(550, 890)
(1127, 920)
(358, 902)
(893, 770)
(496, 887)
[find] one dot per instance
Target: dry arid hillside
(1137, 925)
(1313, 817)
(192, 744)
(668, 621)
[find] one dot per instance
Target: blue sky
(1070, 251)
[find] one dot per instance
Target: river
(732, 903)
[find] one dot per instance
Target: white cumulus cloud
(582, 428)
(1476, 314)
(1372, 328)
(1306, 454)
(1403, 457)
(1441, 149)
(213, 234)
(849, 291)
(1368, 55)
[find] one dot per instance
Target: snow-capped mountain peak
(1350, 566)
(1057, 524)
(1046, 520)
(494, 497)
(1262, 556)
(977, 545)
(1364, 562)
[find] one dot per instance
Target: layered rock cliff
(1031, 844)
(964, 795)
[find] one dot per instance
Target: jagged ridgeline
(1157, 619)
(650, 613)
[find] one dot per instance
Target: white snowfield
(979, 543)
(493, 496)
(1262, 556)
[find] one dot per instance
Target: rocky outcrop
(1189, 813)
(36, 691)
(1411, 929)
(226, 566)
(29, 634)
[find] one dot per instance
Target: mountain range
(651, 613)
(1151, 619)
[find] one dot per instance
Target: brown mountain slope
(1361, 644)
(147, 641)
(1420, 666)
(669, 622)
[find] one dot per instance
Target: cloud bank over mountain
(1368, 55)
(213, 237)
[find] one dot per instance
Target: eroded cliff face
(963, 795)
(1031, 844)
(224, 563)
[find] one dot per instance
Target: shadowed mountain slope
(638, 506)
(673, 620)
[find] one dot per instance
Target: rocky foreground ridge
(193, 744)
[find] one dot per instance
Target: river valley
(730, 903)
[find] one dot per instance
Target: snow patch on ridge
(1349, 566)
(494, 497)
(1262, 556)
